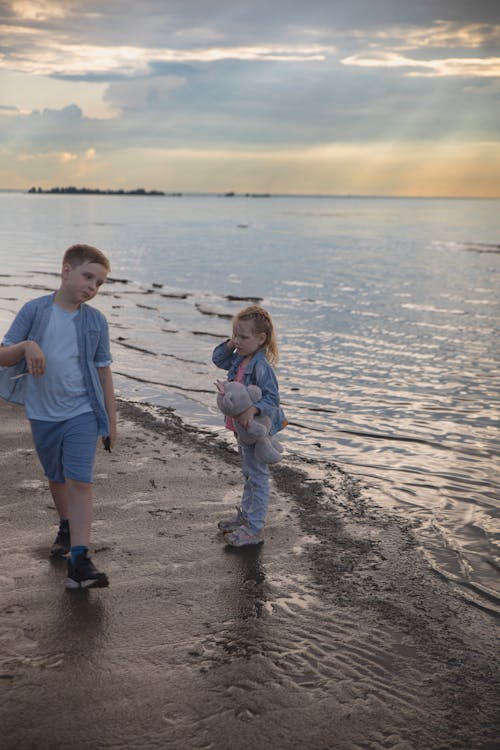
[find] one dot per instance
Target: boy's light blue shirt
(92, 337)
(60, 394)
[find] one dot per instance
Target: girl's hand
(35, 359)
(245, 419)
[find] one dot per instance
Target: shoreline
(425, 450)
(338, 608)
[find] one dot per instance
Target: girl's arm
(268, 383)
(222, 355)
(106, 378)
(270, 399)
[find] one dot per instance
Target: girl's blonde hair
(261, 323)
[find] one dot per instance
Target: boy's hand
(35, 359)
(245, 419)
(109, 440)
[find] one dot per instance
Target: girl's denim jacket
(257, 372)
(93, 345)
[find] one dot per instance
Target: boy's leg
(82, 573)
(47, 439)
(77, 459)
(67, 453)
(78, 464)
(62, 543)
(59, 493)
(80, 511)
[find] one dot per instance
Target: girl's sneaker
(242, 537)
(233, 523)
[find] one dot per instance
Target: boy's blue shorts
(67, 449)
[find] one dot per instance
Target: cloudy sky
(379, 97)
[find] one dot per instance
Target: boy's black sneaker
(84, 575)
(62, 544)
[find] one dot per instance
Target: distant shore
(231, 194)
(96, 191)
(138, 191)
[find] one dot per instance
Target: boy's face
(83, 282)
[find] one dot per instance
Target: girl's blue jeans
(255, 499)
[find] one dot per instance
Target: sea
(386, 311)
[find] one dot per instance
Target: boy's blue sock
(78, 549)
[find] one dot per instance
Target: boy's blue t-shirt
(60, 392)
(92, 338)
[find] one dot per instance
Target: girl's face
(245, 339)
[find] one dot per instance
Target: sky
(343, 97)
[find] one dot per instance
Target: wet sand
(334, 635)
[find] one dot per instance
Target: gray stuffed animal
(236, 399)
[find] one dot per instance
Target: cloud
(114, 90)
(231, 104)
(469, 67)
(444, 34)
(50, 130)
(62, 156)
(37, 10)
(6, 109)
(88, 60)
(386, 45)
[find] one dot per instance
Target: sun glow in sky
(347, 97)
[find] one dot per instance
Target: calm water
(387, 313)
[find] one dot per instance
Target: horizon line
(154, 192)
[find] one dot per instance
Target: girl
(248, 357)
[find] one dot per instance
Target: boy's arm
(106, 378)
(16, 344)
(11, 354)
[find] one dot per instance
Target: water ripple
(387, 315)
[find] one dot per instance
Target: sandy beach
(334, 635)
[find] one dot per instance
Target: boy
(56, 362)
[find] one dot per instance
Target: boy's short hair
(76, 255)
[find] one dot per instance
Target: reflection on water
(387, 318)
